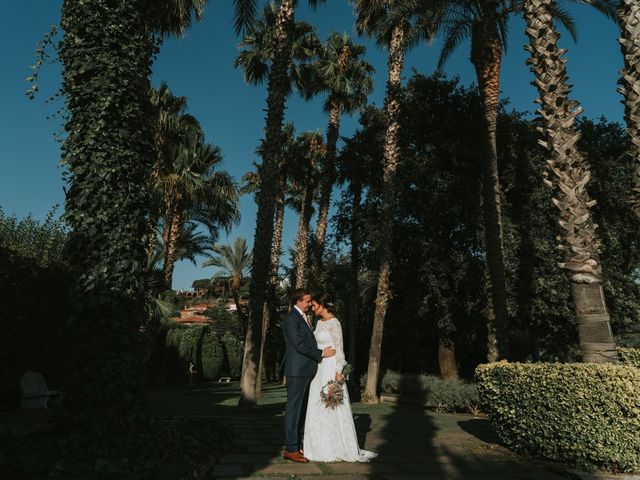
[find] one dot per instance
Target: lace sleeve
(336, 334)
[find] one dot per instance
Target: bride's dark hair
(325, 300)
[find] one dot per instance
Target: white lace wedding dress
(330, 434)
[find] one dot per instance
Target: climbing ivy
(106, 52)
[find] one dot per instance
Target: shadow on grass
(412, 443)
(482, 429)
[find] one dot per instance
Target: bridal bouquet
(332, 394)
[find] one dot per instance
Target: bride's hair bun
(325, 300)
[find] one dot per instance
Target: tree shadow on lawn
(482, 429)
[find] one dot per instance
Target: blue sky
(200, 67)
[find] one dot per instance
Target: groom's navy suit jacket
(301, 355)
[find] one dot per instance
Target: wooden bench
(224, 380)
(35, 393)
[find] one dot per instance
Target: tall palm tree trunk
(302, 238)
(270, 306)
(486, 56)
(328, 179)
(391, 160)
(568, 173)
(266, 197)
(629, 14)
(175, 227)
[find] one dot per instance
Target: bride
(329, 433)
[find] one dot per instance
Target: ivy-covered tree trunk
(266, 198)
(391, 160)
(629, 14)
(568, 173)
(326, 186)
(106, 56)
(486, 56)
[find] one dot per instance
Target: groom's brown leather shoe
(295, 457)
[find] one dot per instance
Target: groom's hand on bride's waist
(328, 352)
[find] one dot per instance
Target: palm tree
(170, 123)
(345, 77)
(192, 188)
(356, 165)
(278, 89)
(234, 262)
(485, 23)
(568, 173)
(629, 17)
(259, 46)
(309, 150)
(398, 25)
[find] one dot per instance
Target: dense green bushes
(432, 391)
(233, 351)
(629, 356)
(212, 355)
(202, 346)
(587, 415)
(152, 450)
(34, 286)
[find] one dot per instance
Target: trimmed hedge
(233, 350)
(629, 356)
(434, 392)
(586, 415)
(212, 355)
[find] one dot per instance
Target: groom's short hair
(297, 295)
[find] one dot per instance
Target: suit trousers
(295, 410)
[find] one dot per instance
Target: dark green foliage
(629, 356)
(442, 395)
(106, 54)
(438, 252)
(233, 352)
(190, 346)
(34, 285)
(585, 415)
(212, 355)
(151, 450)
(222, 320)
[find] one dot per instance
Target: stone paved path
(413, 444)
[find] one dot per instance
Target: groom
(301, 358)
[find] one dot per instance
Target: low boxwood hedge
(433, 392)
(629, 356)
(586, 415)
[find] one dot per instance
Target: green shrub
(212, 355)
(233, 352)
(174, 335)
(587, 415)
(185, 449)
(190, 343)
(629, 356)
(447, 395)
(34, 292)
(224, 321)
